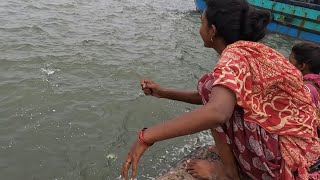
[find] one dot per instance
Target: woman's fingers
(124, 171)
(192, 171)
(138, 151)
(125, 167)
(190, 165)
(132, 160)
(147, 91)
(149, 87)
(134, 169)
(143, 83)
(146, 83)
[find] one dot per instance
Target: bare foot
(204, 169)
(213, 149)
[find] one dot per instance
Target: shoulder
(236, 55)
(232, 53)
(250, 48)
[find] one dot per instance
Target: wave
(32, 29)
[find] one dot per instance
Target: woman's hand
(151, 88)
(132, 160)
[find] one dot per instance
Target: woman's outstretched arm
(217, 111)
(151, 88)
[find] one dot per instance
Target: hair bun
(254, 23)
(262, 17)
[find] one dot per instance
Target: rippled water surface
(70, 101)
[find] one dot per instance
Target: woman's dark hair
(237, 20)
(308, 53)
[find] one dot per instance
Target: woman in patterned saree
(254, 102)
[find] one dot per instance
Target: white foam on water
(49, 71)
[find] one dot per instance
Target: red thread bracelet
(141, 138)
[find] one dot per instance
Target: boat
(296, 18)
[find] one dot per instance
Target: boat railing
(311, 4)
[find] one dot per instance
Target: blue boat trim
(302, 12)
(301, 4)
(200, 5)
(290, 17)
(293, 32)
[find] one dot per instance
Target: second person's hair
(308, 53)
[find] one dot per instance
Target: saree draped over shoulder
(273, 128)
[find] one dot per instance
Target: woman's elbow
(222, 118)
(220, 115)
